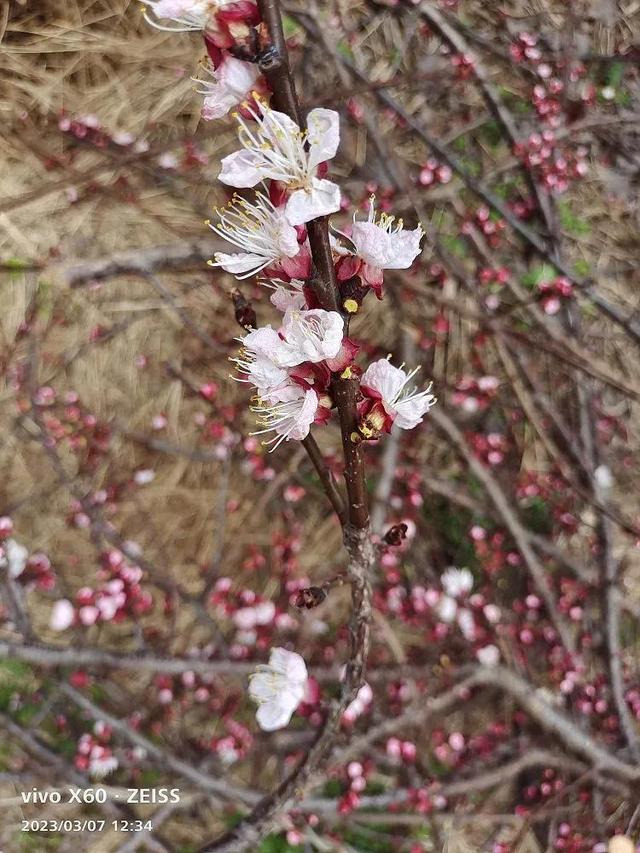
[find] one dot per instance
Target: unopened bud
(396, 534)
(310, 597)
(352, 294)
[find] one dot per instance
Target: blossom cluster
(292, 366)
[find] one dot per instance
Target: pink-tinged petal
(371, 243)
(348, 267)
(297, 267)
(374, 277)
(239, 170)
(237, 76)
(307, 204)
(285, 299)
(404, 248)
(382, 376)
(263, 341)
(345, 356)
(323, 135)
(369, 392)
(217, 105)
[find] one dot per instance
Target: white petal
(323, 135)
(280, 123)
(217, 104)
(265, 375)
(62, 615)
(404, 248)
(239, 262)
(307, 204)
(457, 582)
(285, 299)
(287, 241)
(303, 421)
(275, 715)
(488, 655)
(372, 243)
(263, 687)
(17, 556)
(239, 169)
(410, 412)
(237, 76)
(467, 624)
(447, 609)
(263, 341)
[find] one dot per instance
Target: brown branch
(538, 573)
(172, 256)
(539, 709)
(326, 477)
(357, 537)
(218, 788)
(79, 656)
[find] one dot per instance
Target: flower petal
(307, 204)
(372, 243)
(276, 714)
(239, 262)
(384, 378)
(404, 248)
(323, 135)
(239, 169)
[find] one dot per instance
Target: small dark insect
(310, 597)
(396, 534)
(245, 315)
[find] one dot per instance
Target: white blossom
(62, 615)
(259, 229)
(488, 655)
(287, 296)
(310, 336)
(257, 360)
(15, 557)
(466, 623)
(383, 246)
(101, 762)
(288, 411)
(226, 86)
(278, 687)
(185, 15)
(279, 150)
(457, 582)
(406, 406)
(447, 608)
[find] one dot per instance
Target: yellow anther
(350, 306)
